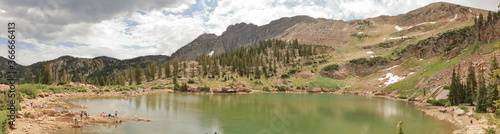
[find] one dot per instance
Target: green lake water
(261, 113)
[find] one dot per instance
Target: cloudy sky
(47, 29)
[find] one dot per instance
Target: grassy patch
(30, 90)
(325, 82)
(428, 69)
(158, 87)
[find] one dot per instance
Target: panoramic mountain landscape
(441, 57)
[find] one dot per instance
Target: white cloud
(158, 33)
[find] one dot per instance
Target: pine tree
(47, 75)
(480, 19)
(493, 84)
(138, 75)
(471, 85)
(167, 70)
(64, 76)
(481, 94)
(131, 77)
(489, 17)
(175, 71)
(454, 95)
(38, 74)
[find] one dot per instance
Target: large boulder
(459, 112)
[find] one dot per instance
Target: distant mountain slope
(238, 35)
(83, 68)
(334, 33)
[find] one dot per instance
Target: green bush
(81, 90)
(190, 81)
(465, 108)
(122, 88)
(224, 89)
(29, 90)
(205, 88)
(266, 89)
(441, 102)
(56, 89)
(293, 71)
(182, 87)
(403, 97)
(332, 67)
(158, 87)
(285, 76)
(62, 83)
(133, 87)
(281, 88)
(107, 90)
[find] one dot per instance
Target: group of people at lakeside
(109, 115)
(84, 113)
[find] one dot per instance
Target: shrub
(465, 108)
(224, 89)
(403, 97)
(190, 81)
(107, 90)
(332, 67)
(63, 83)
(490, 130)
(133, 87)
(281, 88)
(183, 87)
(205, 88)
(293, 71)
(266, 89)
(285, 76)
(158, 87)
(28, 90)
(81, 90)
(441, 102)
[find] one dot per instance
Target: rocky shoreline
(38, 116)
(453, 114)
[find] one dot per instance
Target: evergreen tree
(131, 77)
(454, 95)
(138, 75)
(64, 76)
(47, 75)
(96, 81)
(489, 17)
(471, 85)
(493, 84)
(38, 74)
(167, 70)
(481, 94)
(175, 71)
(480, 19)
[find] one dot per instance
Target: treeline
(267, 59)
(262, 60)
(477, 90)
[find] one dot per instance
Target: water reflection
(262, 113)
